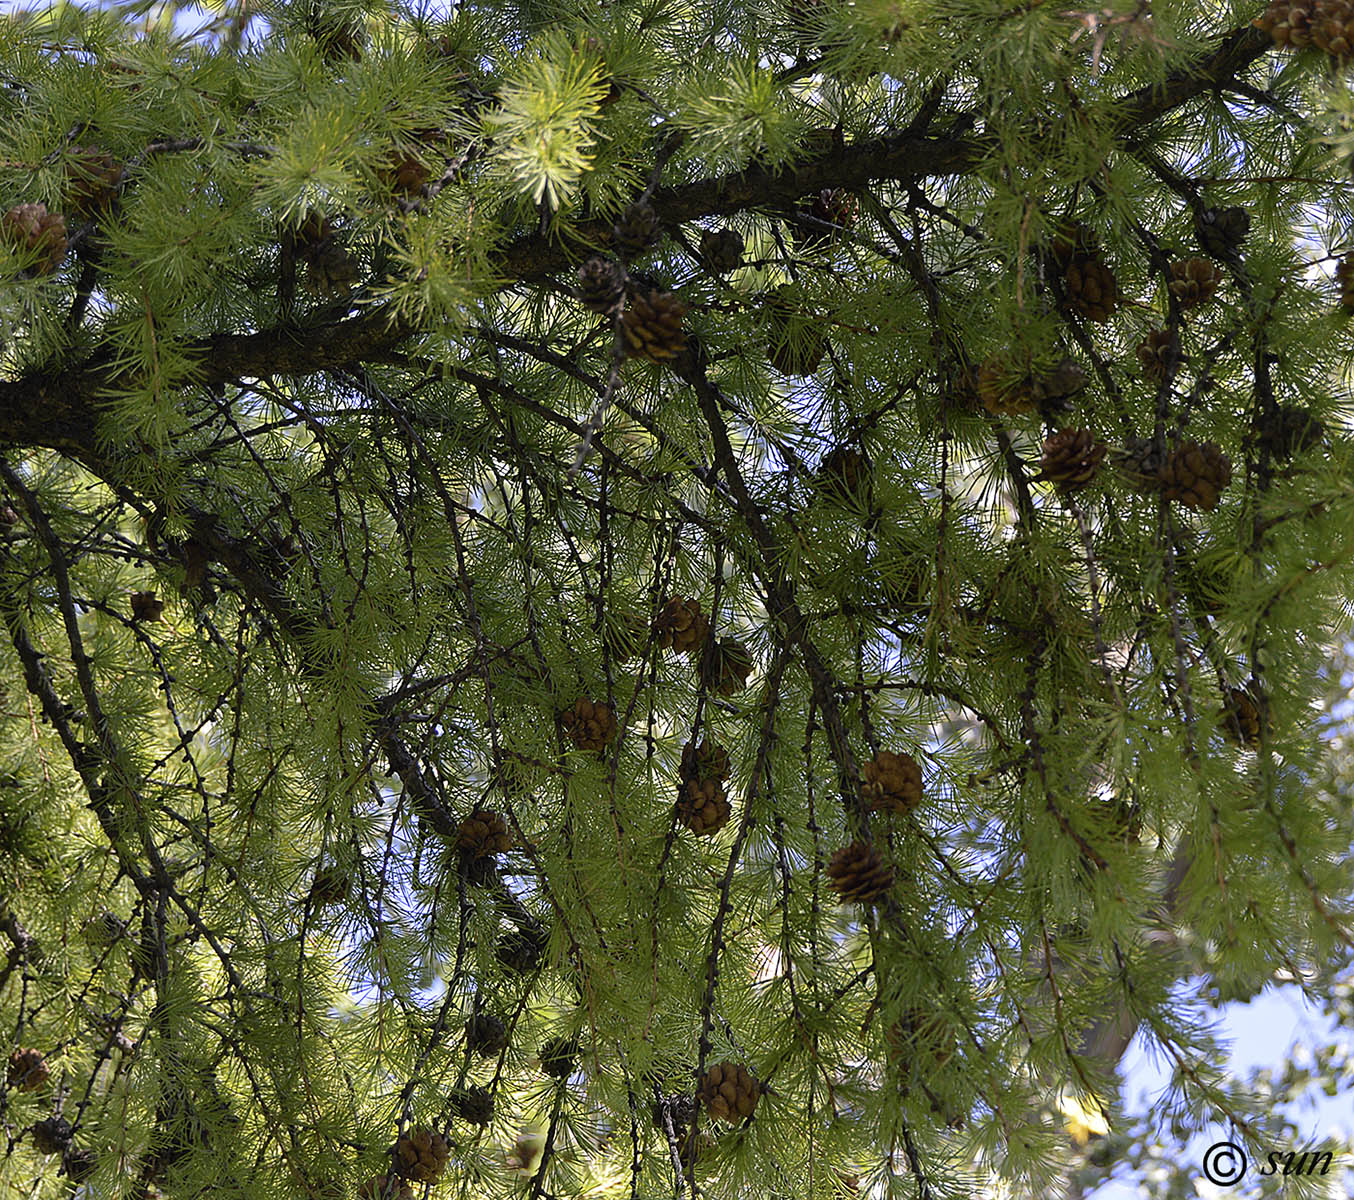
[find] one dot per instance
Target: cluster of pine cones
(702, 805)
(724, 665)
(1326, 24)
(418, 1156)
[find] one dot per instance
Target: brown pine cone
(729, 1092)
(1092, 290)
(405, 174)
(601, 285)
(1332, 28)
(844, 474)
(1221, 231)
(590, 723)
(1059, 385)
(831, 206)
(1344, 276)
(706, 761)
(1193, 281)
(722, 249)
(331, 885)
(703, 806)
(858, 874)
(486, 1035)
(681, 626)
(1195, 474)
(636, 230)
(1241, 718)
(385, 1187)
(146, 606)
(557, 1057)
(52, 1135)
(1140, 462)
(483, 833)
(891, 781)
(1292, 430)
(473, 1104)
(1068, 240)
(521, 950)
(1288, 22)
(1003, 391)
(92, 179)
(727, 666)
(28, 1070)
(31, 229)
(1152, 351)
(1071, 458)
(652, 326)
(420, 1155)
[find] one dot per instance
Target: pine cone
(405, 174)
(722, 249)
(557, 1057)
(420, 1155)
(1071, 458)
(727, 666)
(1193, 281)
(681, 625)
(385, 1187)
(1004, 392)
(1195, 474)
(858, 874)
(331, 885)
(703, 806)
(844, 475)
(31, 229)
(729, 1092)
(28, 1070)
(601, 285)
(1152, 351)
(652, 326)
(706, 761)
(1092, 290)
(486, 1035)
(1288, 22)
(92, 179)
(796, 343)
(473, 1104)
(1059, 385)
(1292, 430)
(1332, 29)
(482, 834)
(1221, 231)
(52, 1135)
(1344, 276)
(1241, 719)
(831, 206)
(521, 950)
(590, 723)
(1141, 462)
(891, 781)
(1069, 240)
(624, 635)
(79, 1163)
(146, 606)
(636, 230)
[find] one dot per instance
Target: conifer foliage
(656, 600)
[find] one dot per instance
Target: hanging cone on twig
(1241, 717)
(681, 626)
(28, 1069)
(473, 1104)
(1071, 458)
(1221, 231)
(482, 834)
(729, 1092)
(486, 1035)
(1092, 290)
(590, 723)
(726, 666)
(703, 806)
(1195, 474)
(858, 874)
(652, 326)
(52, 1135)
(891, 781)
(709, 760)
(636, 229)
(1152, 351)
(1193, 281)
(32, 230)
(420, 1155)
(601, 285)
(146, 606)
(722, 249)
(92, 178)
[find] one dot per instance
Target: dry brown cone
(28, 1070)
(473, 1104)
(681, 626)
(1193, 281)
(729, 1092)
(92, 179)
(1071, 458)
(1140, 463)
(385, 1187)
(652, 326)
(31, 229)
(420, 1155)
(1344, 276)
(1004, 392)
(405, 174)
(557, 1057)
(1195, 473)
(858, 874)
(1241, 719)
(1292, 430)
(722, 249)
(146, 606)
(703, 807)
(1288, 22)
(1221, 231)
(1092, 290)
(590, 723)
(636, 229)
(1332, 28)
(486, 1035)
(521, 949)
(330, 886)
(706, 761)
(601, 285)
(483, 833)
(52, 1135)
(727, 666)
(891, 781)
(1152, 351)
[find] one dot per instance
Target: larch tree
(659, 598)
